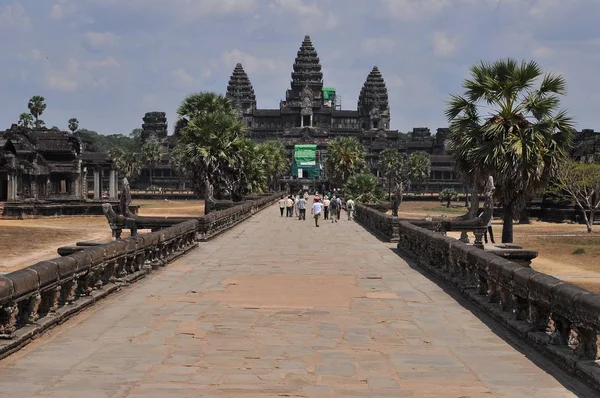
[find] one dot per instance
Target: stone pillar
(84, 184)
(112, 191)
(16, 187)
(97, 185)
(301, 120)
(311, 120)
(76, 187)
(34, 189)
(10, 188)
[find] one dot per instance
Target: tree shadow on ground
(576, 386)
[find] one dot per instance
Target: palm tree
(448, 195)
(37, 106)
(345, 157)
(418, 167)
(276, 161)
(364, 188)
(391, 165)
(522, 136)
(25, 120)
(253, 171)
(128, 163)
(152, 153)
(210, 142)
(73, 124)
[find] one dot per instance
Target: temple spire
(307, 68)
(240, 90)
(373, 93)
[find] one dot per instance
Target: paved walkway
(277, 307)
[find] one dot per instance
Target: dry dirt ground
(566, 251)
(25, 242)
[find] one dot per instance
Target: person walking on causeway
(316, 210)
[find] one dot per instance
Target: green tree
(25, 120)
(73, 124)
(253, 168)
(136, 137)
(391, 165)
(345, 157)
(580, 183)
(152, 153)
(37, 106)
(523, 137)
(210, 141)
(447, 195)
(364, 188)
(128, 163)
(276, 161)
(418, 167)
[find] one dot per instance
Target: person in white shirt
(350, 208)
(282, 203)
(326, 203)
(317, 207)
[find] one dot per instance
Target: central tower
(307, 72)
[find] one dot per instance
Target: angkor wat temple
(310, 114)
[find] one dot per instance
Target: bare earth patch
(26, 242)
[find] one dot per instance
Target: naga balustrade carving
(41, 295)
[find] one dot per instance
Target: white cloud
(108, 62)
(394, 82)
(182, 77)
(14, 16)
(297, 7)
(443, 44)
(409, 10)
(101, 39)
(252, 64)
(543, 52)
(378, 45)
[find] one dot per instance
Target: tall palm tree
(37, 106)
(210, 143)
(73, 124)
(203, 102)
(418, 167)
(128, 163)
(253, 171)
(25, 120)
(345, 157)
(391, 165)
(508, 127)
(275, 159)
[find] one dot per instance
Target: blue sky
(107, 62)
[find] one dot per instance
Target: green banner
(328, 93)
(305, 155)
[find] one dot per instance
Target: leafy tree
(391, 165)
(580, 183)
(128, 163)
(37, 106)
(447, 195)
(364, 188)
(418, 167)
(275, 159)
(210, 142)
(105, 143)
(152, 153)
(136, 137)
(73, 124)
(253, 168)
(25, 120)
(345, 157)
(522, 136)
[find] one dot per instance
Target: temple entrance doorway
(3, 187)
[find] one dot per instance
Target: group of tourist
(329, 207)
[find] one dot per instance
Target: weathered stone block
(540, 287)
(6, 289)
(83, 261)
(24, 281)
(47, 272)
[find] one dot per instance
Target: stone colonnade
(113, 184)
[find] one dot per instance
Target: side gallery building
(311, 115)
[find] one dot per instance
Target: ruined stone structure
(310, 114)
(155, 124)
(586, 146)
(40, 165)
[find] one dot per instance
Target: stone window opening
(375, 124)
(306, 121)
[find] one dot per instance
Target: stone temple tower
(373, 105)
(307, 71)
(240, 90)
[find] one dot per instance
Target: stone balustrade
(556, 317)
(37, 297)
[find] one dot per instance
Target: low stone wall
(558, 318)
(20, 211)
(45, 294)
